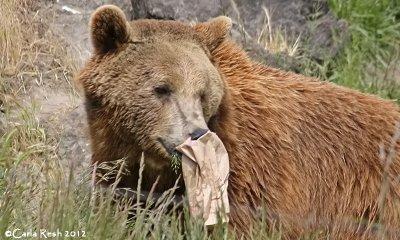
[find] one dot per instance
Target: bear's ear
(214, 31)
(108, 28)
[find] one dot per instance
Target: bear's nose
(196, 134)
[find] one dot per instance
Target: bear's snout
(196, 134)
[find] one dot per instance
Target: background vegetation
(39, 190)
(370, 61)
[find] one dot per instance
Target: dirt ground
(47, 85)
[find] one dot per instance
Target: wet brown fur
(307, 150)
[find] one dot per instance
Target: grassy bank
(40, 190)
(370, 61)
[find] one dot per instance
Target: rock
(322, 44)
(72, 27)
(308, 20)
(176, 9)
(63, 116)
(74, 141)
(277, 60)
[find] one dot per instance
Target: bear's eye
(162, 90)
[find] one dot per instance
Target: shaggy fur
(317, 156)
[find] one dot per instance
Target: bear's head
(150, 84)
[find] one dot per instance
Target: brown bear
(317, 156)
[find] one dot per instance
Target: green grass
(370, 60)
(370, 57)
(39, 191)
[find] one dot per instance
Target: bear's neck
(235, 68)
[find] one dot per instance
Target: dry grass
(32, 56)
(275, 40)
(272, 38)
(13, 33)
(33, 63)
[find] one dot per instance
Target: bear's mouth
(170, 149)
